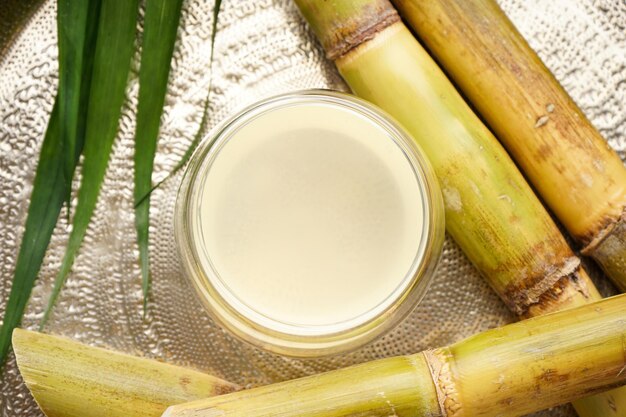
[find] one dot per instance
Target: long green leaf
(205, 113)
(45, 205)
(159, 35)
(114, 49)
(51, 186)
(71, 26)
(89, 48)
(77, 23)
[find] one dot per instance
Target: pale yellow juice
(310, 215)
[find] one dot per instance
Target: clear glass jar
(283, 335)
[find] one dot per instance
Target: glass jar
(309, 223)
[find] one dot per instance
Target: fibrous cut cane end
(609, 250)
(68, 379)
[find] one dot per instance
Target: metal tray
(263, 48)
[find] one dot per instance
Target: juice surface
(310, 215)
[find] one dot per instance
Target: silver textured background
(263, 48)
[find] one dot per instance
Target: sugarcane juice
(310, 216)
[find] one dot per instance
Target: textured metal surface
(263, 48)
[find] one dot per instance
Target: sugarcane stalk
(68, 379)
(569, 163)
(577, 174)
(490, 209)
(505, 372)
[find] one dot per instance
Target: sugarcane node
(355, 35)
(438, 361)
(609, 250)
(356, 28)
(546, 289)
(609, 226)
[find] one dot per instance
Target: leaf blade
(51, 187)
(71, 25)
(43, 211)
(160, 27)
(205, 111)
(113, 53)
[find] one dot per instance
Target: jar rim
(291, 339)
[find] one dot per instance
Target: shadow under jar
(309, 224)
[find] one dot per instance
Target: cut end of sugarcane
(605, 232)
(68, 379)
(608, 248)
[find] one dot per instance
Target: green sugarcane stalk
(569, 163)
(578, 175)
(510, 371)
(68, 379)
(490, 210)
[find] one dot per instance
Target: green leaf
(114, 49)
(159, 35)
(45, 205)
(51, 186)
(71, 25)
(205, 114)
(90, 33)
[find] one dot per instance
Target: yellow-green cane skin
(576, 173)
(399, 386)
(505, 372)
(490, 210)
(69, 379)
